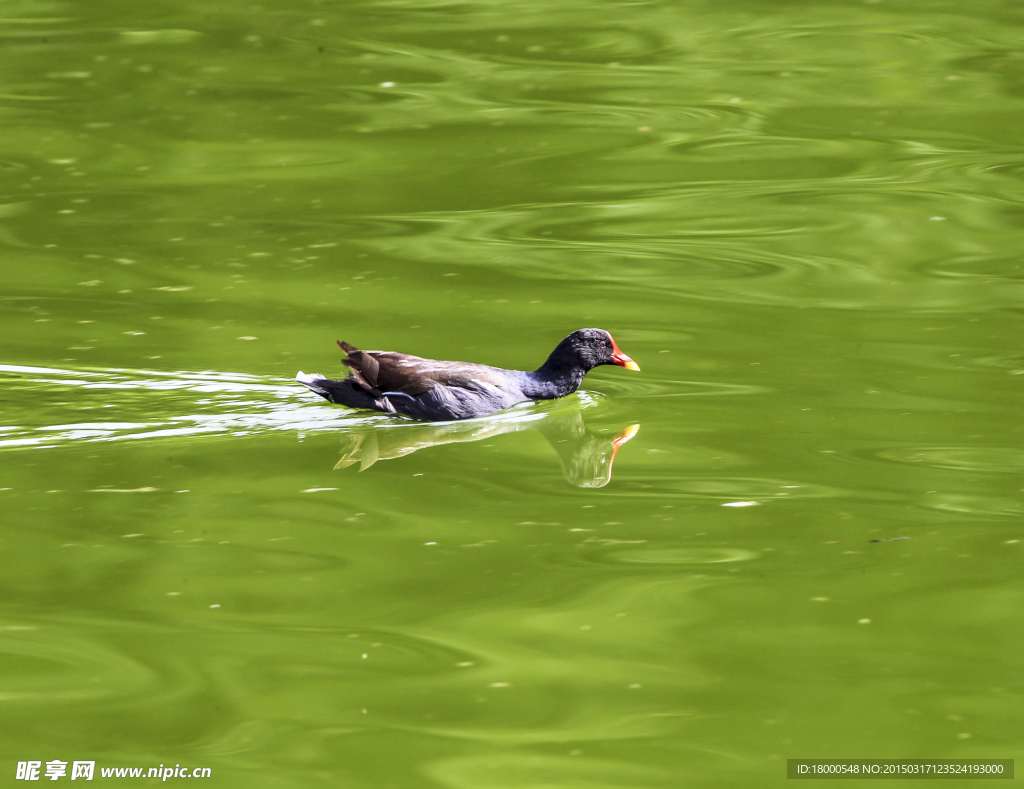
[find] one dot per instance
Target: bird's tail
(345, 392)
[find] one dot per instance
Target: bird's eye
(604, 343)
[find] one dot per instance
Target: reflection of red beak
(620, 358)
(624, 436)
(618, 441)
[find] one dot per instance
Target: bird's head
(594, 347)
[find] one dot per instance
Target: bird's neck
(553, 379)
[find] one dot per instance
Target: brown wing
(400, 372)
(385, 371)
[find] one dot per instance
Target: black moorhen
(397, 383)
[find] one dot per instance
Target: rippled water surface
(804, 221)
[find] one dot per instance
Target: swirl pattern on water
(645, 243)
(47, 665)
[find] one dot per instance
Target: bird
(432, 390)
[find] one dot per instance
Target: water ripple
(695, 243)
(515, 769)
(677, 556)
(49, 665)
(1004, 459)
(155, 404)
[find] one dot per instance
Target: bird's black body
(397, 383)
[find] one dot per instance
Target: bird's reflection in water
(586, 456)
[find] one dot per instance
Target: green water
(805, 221)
